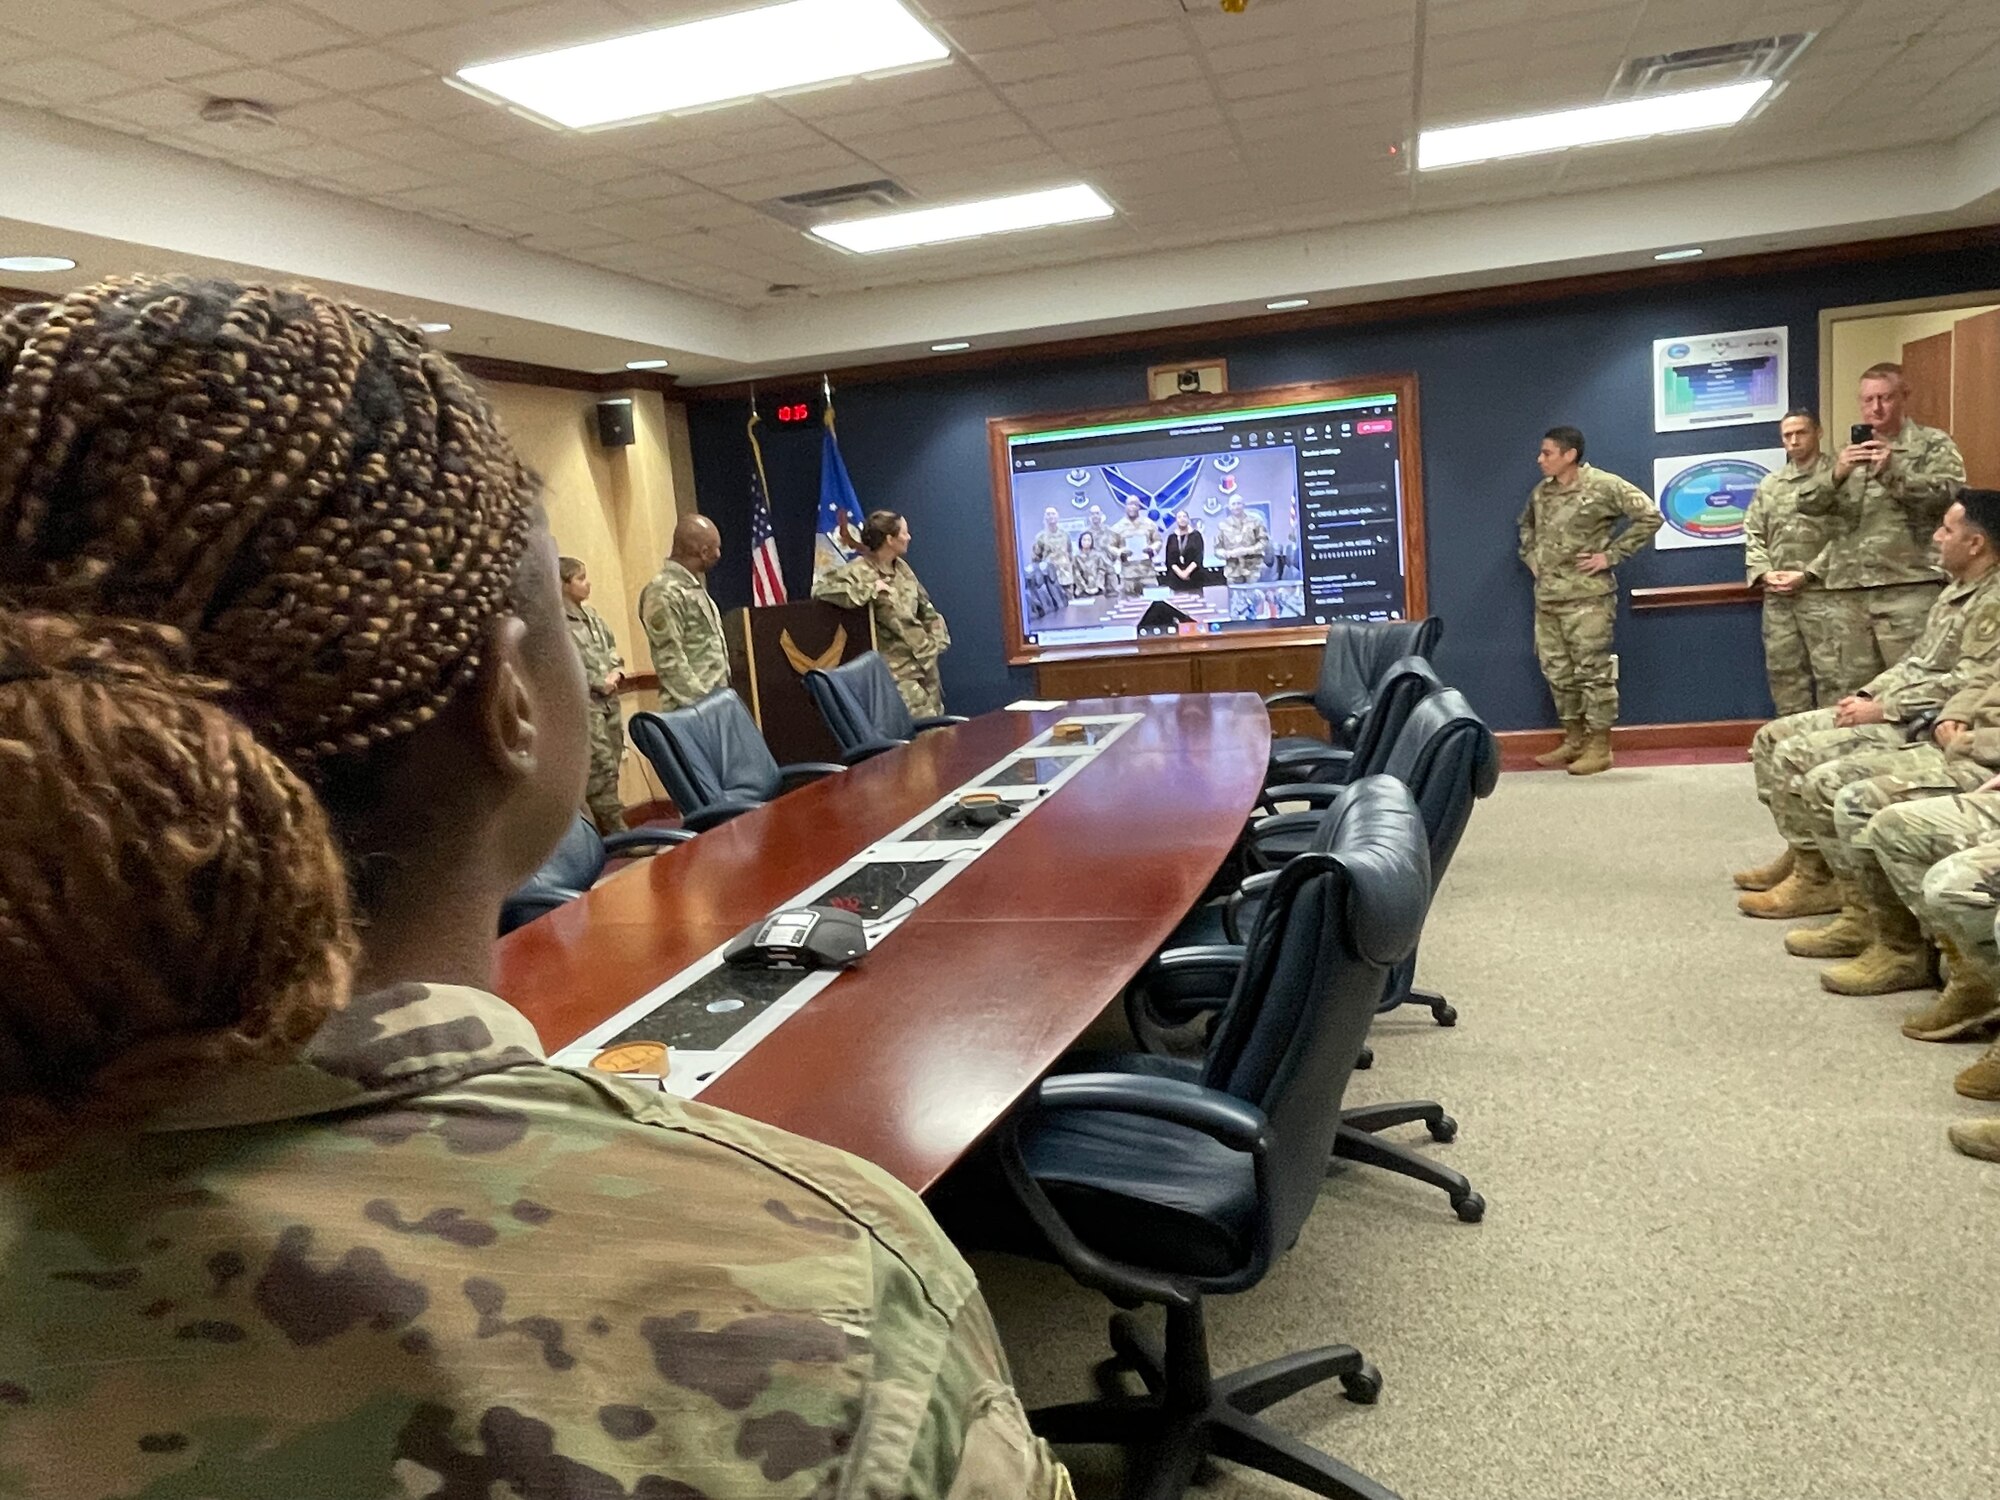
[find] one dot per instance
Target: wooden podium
(770, 651)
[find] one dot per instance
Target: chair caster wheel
(1364, 1386)
(1444, 1128)
(1445, 1015)
(1471, 1208)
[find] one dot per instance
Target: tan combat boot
(1969, 1004)
(1846, 936)
(1900, 958)
(1763, 877)
(1982, 1079)
(1570, 748)
(1809, 891)
(1596, 754)
(1980, 1138)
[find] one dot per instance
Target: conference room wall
(1489, 384)
(613, 508)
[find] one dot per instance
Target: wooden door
(1928, 374)
(1975, 400)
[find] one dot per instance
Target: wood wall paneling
(1975, 402)
(1260, 672)
(1928, 373)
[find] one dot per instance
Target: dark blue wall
(1489, 384)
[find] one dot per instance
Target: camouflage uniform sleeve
(1928, 485)
(1642, 518)
(1978, 657)
(1820, 496)
(1756, 543)
(845, 586)
(1526, 526)
(661, 613)
(611, 645)
(932, 619)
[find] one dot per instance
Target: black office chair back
(1358, 655)
(709, 752)
(1337, 922)
(1448, 759)
(1407, 683)
(859, 701)
(571, 869)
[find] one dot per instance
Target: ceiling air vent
(850, 200)
(1709, 67)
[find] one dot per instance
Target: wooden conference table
(909, 1059)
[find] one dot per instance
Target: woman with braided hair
(289, 1205)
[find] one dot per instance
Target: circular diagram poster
(1704, 497)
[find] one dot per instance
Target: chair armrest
(1221, 1117)
(939, 721)
(646, 840)
(870, 749)
(808, 770)
(1252, 889)
(1314, 763)
(521, 908)
(716, 814)
(1316, 793)
(1290, 695)
(1192, 979)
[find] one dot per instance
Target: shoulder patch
(1982, 630)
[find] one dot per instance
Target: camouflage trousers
(1809, 650)
(921, 688)
(1784, 750)
(607, 755)
(1573, 645)
(1840, 796)
(1136, 577)
(1878, 626)
(1941, 857)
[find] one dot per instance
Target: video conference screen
(1272, 517)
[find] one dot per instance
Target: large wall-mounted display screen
(1210, 521)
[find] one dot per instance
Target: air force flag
(839, 539)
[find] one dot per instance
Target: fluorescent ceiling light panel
(645, 364)
(739, 56)
(1688, 254)
(34, 264)
(951, 347)
(434, 328)
(1628, 120)
(1286, 304)
(965, 221)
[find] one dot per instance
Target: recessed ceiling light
(1628, 120)
(1286, 304)
(434, 328)
(949, 348)
(31, 263)
(965, 221)
(1688, 254)
(645, 364)
(738, 56)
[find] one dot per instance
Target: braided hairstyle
(249, 537)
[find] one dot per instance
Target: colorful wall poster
(1706, 496)
(1719, 379)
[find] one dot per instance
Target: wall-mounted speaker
(614, 422)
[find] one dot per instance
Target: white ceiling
(1249, 155)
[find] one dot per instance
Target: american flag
(767, 579)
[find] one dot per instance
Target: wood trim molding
(517, 372)
(1683, 595)
(1181, 342)
(1518, 747)
(1416, 588)
(639, 682)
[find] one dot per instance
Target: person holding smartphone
(1888, 489)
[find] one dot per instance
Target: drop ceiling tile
(993, 30)
(269, 86)
(60, 80)
(339, 119)
(325, 159)
(171, 10)
(64, 22)
(163, 107)
(512, 33)
(267, 32)
(353, 69)
(1020, 64)
(1100, 15)
(159, 55)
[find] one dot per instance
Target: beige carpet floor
(1729, 1252)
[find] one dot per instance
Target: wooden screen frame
(1416, 592)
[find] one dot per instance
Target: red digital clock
(795, 411)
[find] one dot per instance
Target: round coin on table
(636, 1059)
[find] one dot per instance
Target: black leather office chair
(713, 762)
(1357, 656)
(573, 867)
(859, 701)
(1157, 1179)
(1403, 686)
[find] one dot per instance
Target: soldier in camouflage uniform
(1568, 545)
(1894, 712)
(1802, 636)
(603, 670)
(1101, 535)
(682, 624)
(289, 1205)
(910, 632)
(1241, 542)
(1091, 567)
(1133, 543)
(1050, 551)
(1881, 502)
